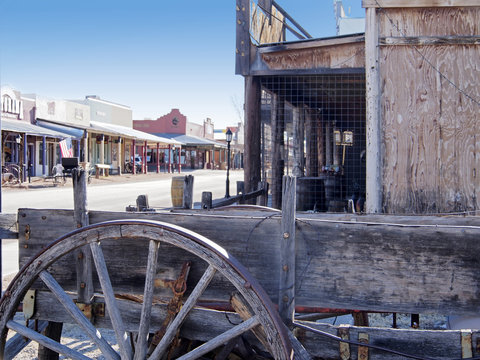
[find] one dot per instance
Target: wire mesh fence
(314, 127)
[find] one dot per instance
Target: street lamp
(228, 135)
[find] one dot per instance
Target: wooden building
(387, 118)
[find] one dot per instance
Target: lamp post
(228, 135)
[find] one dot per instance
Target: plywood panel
(334, 57)
(429, 128)
(429, 21)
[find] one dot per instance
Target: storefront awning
(24, 127)
(75, 133)
(190, 140)
(131, 133)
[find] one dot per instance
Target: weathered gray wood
(252, 166)
(242, 58)
(112, 308)
(77, 315)
(431, 344)
(143, 330)
(298, 142)
(18, 342)
(142, 202)
(278, 162)
(188, 192)
(8, 226)
(343, 260)
(45, 341)
(206, 200)
(430, 40)
(418, 3)
(186, 308)
(83, 256)
(286, 304)
(374, 164)
(222, 339)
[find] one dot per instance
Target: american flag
(66, 148)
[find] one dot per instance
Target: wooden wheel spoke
(77, 315)
(45, 341)
(222, 338)
(112, 308)
(182, 314)
(141, 346)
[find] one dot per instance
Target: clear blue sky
(151, 55)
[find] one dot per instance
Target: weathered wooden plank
(8, 226)
(430, 40)
(430, 22)
(432, 344)
(374, 159)
(429, 131)
(201, 324)
(252, 133)
(418, 3)
(286, 294)
(345, 56)
(384, 263)
(242, 51)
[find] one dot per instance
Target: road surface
(113, 196)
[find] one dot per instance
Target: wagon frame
(381, 264)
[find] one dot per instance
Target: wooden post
(311, 165)
(374, 157)
(83, 255)
(263, 199)
(252, 166)
(119, 155)
(102, 153)
(142, 202)
(83, 259)
(278, 163)
(298, 140)
(188, 192)
(206, 200)
(158, 158)
(286, 296)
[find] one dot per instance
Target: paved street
(112, 194)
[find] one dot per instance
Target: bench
(105, 168)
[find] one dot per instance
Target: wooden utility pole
(252, 166)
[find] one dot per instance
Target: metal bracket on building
(92, 310)
(29, 304)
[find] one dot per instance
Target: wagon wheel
(263, 317)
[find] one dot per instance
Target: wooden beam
(286, 296)
(242, 51)
(418, 3)
(252, 167)
(374, 141)
(430, 40)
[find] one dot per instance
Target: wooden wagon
(200, 284)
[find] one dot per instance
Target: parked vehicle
(129, 165)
